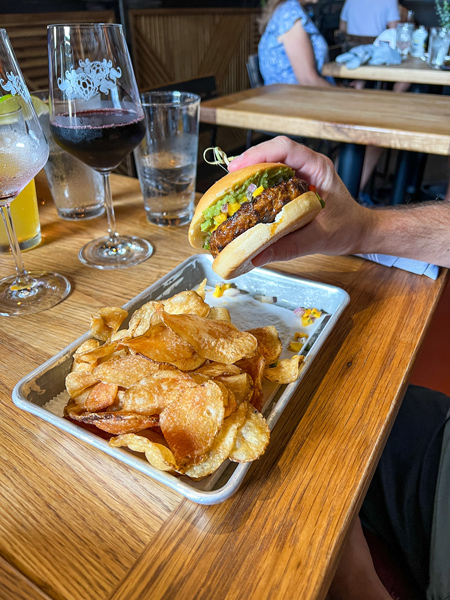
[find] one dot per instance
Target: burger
(246, 211)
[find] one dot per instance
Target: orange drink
(25, 216)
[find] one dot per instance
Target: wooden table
(412, 70)
(78, 525)
(415, 122)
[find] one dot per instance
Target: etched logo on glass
(89, 79)
(15, 86)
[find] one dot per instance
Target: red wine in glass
(101, 138)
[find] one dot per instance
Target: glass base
(24, 245)
(124, 251)
(77, 214)
(43, 291)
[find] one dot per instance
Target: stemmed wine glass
(23, 153)
(96, 115)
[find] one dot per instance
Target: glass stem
(23, 280)
(112, 233)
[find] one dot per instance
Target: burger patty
(262, 209)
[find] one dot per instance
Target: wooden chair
(254, 74)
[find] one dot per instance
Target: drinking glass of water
(404, 38)
(166, 159)
(96, 115)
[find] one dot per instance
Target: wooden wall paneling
(175, 45)
(28, 35)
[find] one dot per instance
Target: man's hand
(339, 227)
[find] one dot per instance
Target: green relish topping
(266, 178)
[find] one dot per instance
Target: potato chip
(218, 341)
(269, 343)
(152, 394)
(125, 371)
(141, 319)
(201, 289)
(219, 313)
(286, 371)
(101, 396)
(186, 303)
(190, 426)
(78, 381)
(107, 321)
(86, 346)
(252, 438)
(92, 356)
(115, 422)
(221, 447)
(215, 369)
(161, 344)
(157, 454)
(254, 366)
(240, 385)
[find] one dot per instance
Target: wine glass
(96, 115)
(23, 153)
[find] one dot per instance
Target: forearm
(420, 232)
(312, 79)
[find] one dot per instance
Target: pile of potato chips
(182, 384)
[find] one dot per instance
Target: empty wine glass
(23, 153)
(96, 115)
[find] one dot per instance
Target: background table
(415, 122)
(412, 70)
(78, 525)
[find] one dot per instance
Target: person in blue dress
(291, 49)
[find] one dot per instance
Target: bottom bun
(236, 258)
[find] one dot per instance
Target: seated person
(407, 504)
(364, 20)
(291, 49)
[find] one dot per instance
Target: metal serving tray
(42, 392)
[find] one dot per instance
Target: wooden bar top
(79, 525)
(416, 122)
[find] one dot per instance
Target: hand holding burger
(248, 210)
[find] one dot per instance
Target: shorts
(399, 504)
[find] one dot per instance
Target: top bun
(222, 187)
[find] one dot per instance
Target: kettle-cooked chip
(92, 356)
(186, 303)
(286, 371)
(218, 341)
(142, 319)
(152, 394)
(191, 424)
(101, 396)
(240, 385)
(78, 381)
(156, 452)
(126, 371)
(214, 369)
(116, 422)
(269, 343)
(254, 366)
(252, 438)
(107, 321)
(201, 289)
(221, 447)
(161, 344)
(219, 313)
